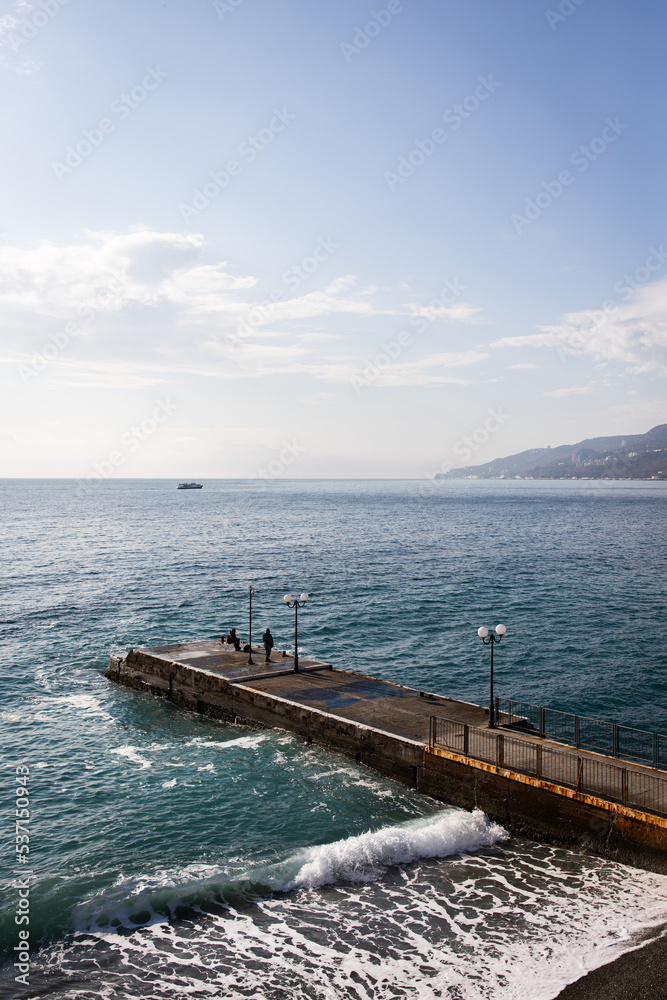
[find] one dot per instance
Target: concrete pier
(388, 727)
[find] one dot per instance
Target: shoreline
(640, 974)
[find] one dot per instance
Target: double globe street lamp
(296, 603)
(491, 640)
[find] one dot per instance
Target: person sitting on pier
(233, 639)
(267, 639)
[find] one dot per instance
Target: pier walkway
(402, 711)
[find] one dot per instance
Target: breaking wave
(363, 858)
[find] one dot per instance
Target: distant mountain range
(632, 456)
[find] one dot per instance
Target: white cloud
(318, 398)
(571, 390)
(462, 312)
(111, 272)
(632, 333)
(258, 361)
(16, 30)
(429, 370)
(149, 307)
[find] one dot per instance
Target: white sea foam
(356, 859)
(520, 922)
(79, 702)
(358, 779)
(131, 753)
(415, 910)
(84, 701)
(246, 742)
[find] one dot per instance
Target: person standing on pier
(267, 639)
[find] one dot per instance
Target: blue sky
(243, 238)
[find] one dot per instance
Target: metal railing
(637, 789)
(580, 731)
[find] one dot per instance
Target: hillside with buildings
(631, 456)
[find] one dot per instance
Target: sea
(173, 856)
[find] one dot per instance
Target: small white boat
(189, 486)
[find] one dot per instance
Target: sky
(243, 238)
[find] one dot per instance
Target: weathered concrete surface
(386, 727)
(224, 660)
(546, 811)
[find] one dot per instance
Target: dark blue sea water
(173, 856)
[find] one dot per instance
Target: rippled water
(174, 856)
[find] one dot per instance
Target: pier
(532, 784)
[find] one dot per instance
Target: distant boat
(189, 486)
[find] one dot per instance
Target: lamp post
(296, 605)
(251, 591)
(491, 640)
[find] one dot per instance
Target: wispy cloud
(151, 269)
(571, 390)
(433, 369)
(53, 279)
(633, 333)
(462, 312)
(162, 310)
(318, 398)
(16, 30)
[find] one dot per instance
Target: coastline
(638, 974)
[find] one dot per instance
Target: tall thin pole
(296, 637)
(492, 721)
(250, 659)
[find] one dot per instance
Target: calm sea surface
(173, 856)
